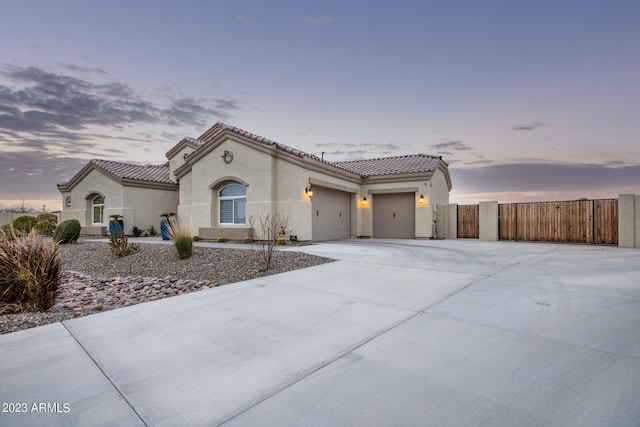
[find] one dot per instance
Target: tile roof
(152, 174)
(412, 163)
(149, 173)
(186, 141)
(193, 141)
(219, 127)
(415, 163)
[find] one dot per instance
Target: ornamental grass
(181, 237)
(30, 269)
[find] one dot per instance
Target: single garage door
(394, 216)
(331, 214)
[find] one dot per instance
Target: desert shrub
(282, 241)
(195, 238)
(46, 223)
(23, 224)
(181, 237)
(67, 231)
(152, 231)
(136, 231)
(246, 240)
(120, 246)
(220, 239)
(29, 273)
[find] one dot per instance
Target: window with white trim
(97, 205)
(232, 204)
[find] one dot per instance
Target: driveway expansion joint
(107, 377)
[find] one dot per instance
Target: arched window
(97, 204)
(233, 204)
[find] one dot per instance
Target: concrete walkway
(410, 333)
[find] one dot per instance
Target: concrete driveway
(411, 333)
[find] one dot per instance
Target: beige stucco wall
(274, 186)
(442, 221)
(178, 160)
(94, 183)
(364, 216)
(8, 217)
(629, 221)
(488, 221)
(438, 190)
(184, 201)
(453, 221)
(143, 206)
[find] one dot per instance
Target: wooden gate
(468, 221)
(576, 221)
(605, 225)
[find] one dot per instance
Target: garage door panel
(394, 216)
(331, 210)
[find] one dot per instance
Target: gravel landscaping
(95, 280)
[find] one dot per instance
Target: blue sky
(525, 100)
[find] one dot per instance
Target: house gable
(126, 174)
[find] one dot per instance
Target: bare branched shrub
(29, 273)
(266, 237)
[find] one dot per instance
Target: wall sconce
(421, 199)
(364, 201)
(308, 191)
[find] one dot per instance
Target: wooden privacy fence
(576, 221)
(468, 221)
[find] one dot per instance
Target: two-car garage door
(394, 216)
(331, 214)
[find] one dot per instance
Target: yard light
(308, 191)
(421, 199)
(364, 201)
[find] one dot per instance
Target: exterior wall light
(364, 201)
(421, 199)
(308, 191)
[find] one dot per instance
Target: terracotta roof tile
(413, 163)
(219, 127)
(193, 140)
(150, 173)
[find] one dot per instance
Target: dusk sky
(525, 100)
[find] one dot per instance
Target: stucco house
(137, 192)
(228, 175)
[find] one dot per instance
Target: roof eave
(398, 177)
(128, 182)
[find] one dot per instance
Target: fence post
(453, 221)
(488, 221)
(628, 221)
